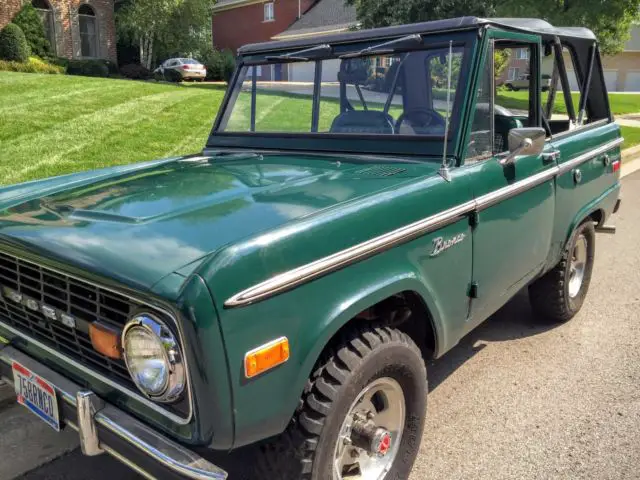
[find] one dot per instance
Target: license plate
(37, 395)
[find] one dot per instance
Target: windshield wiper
(387, 47)
(303, 55)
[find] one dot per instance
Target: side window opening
(504, 99)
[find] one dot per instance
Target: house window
(269, 15)
(46, 15)
(514, 73)
(523, 54)
(88, 32)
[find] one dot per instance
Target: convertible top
(528, 25)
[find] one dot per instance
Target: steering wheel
(420, 121)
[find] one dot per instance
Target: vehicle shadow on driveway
(513, 321)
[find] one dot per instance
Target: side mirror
(524, 142)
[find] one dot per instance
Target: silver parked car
(177, 69)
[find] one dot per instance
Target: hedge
(13, 44)
(88, 68)
(33, 65)
(135, 71)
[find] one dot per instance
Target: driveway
(515, 399)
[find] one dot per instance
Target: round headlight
(153, 358)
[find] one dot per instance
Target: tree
(611, 20)
(28, 19)
(381, 13)
(170, 25)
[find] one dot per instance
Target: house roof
(326, 16)
(454, 24)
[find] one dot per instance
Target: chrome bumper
(104, 428)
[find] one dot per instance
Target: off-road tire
(306, 449)
(549, 295)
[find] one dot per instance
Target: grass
(57, 124)
(54, 124)
(621, 104)
(631, 136)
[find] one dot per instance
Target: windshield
(396, 94)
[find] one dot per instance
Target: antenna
(444, 168)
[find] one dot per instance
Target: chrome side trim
(297, 276)
(134, 394)
(161, 449)
(580, 159)
(293, 278)
(504, 193)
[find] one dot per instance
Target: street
(514, 399)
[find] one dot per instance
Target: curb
(630, 161)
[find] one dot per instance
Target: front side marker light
(266, 357)
(105, 340)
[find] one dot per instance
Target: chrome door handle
(551, 156)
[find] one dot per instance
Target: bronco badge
(440, 244)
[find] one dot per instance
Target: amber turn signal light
(266, 357)
(105, 340)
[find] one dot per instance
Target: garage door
(633, 82)
(611, 80)
(304, 71)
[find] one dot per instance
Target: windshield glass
(399, 93)
(189, 61)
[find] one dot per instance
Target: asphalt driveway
(515, 399)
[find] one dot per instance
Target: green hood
(137, 224)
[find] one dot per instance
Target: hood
(139, 225)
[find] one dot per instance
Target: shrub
(33, 65)
(88, 68)
(220, 64)
(13, 44)
(135, 71)
(228, 65)
(30, 22)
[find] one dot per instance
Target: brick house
(238, 22)
(76, 28)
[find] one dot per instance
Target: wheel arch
(408, 286)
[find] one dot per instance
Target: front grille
(85, 302)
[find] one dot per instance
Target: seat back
(363, 121)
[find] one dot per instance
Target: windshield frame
(423, 144)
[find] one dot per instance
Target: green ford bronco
(285, 287)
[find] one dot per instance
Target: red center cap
(385, 444)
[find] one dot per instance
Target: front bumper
(103, 428)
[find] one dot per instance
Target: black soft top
(528, 25)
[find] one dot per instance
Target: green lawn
(631, 136)
(56, 124)
(620, 103)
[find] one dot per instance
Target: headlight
(153, 358)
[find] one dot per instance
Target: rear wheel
(560, 293)
(362, 413)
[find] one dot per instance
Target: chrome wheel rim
(375, 420)
(577, 266)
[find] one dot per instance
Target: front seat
(363, 121)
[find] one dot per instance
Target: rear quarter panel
(598, 188)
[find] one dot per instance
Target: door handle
(551, 156)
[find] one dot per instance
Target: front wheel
(559, 294)
(361, 415)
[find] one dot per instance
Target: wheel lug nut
(347, 441)
(370, 415)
